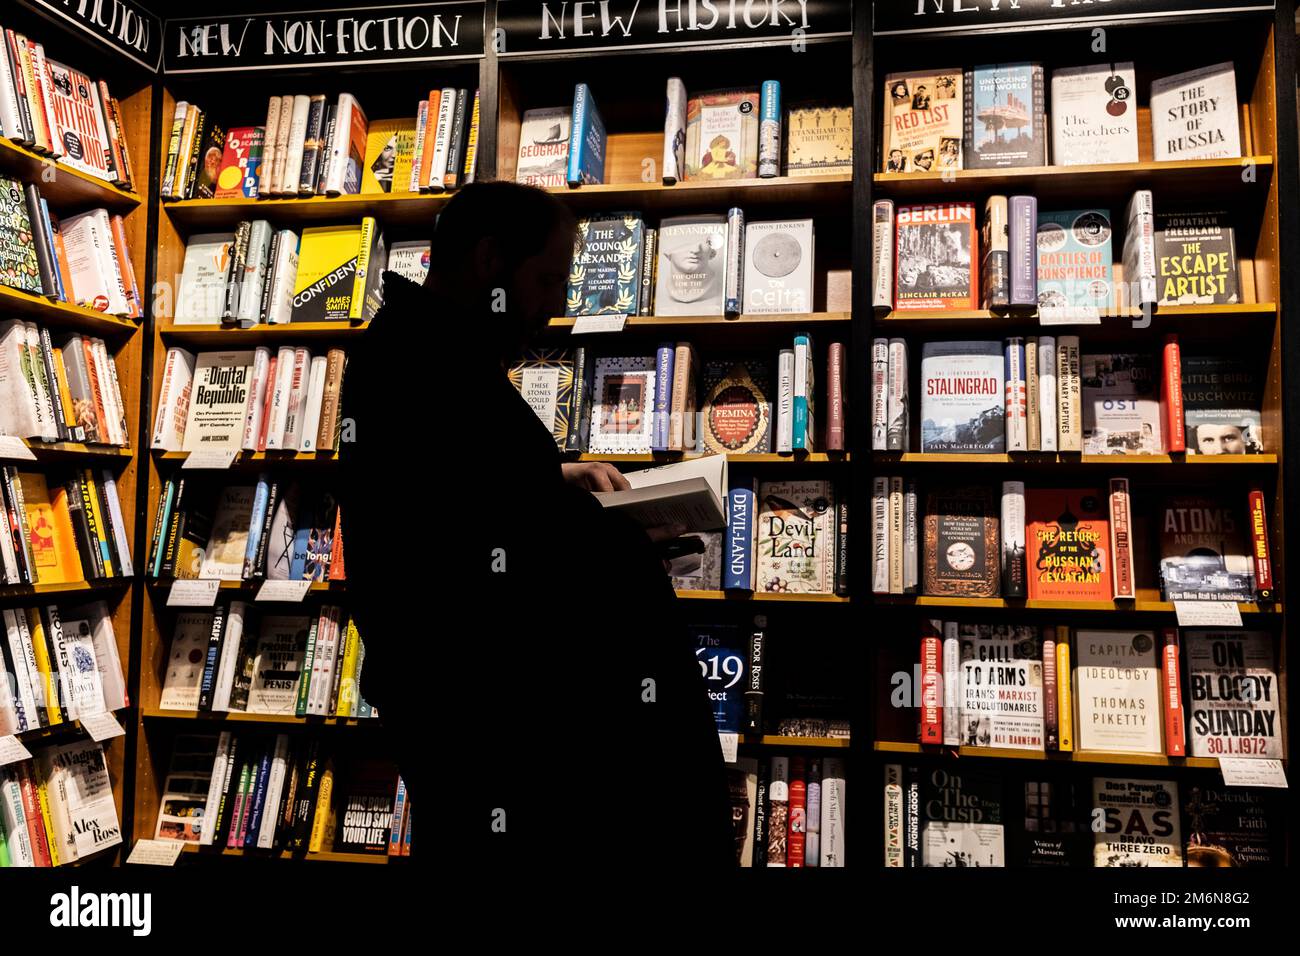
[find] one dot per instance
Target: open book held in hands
(687, 493)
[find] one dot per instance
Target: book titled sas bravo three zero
(961, 543)
(1233, 703)
(923, 121)
(936, 244)
(1005, 115)
(794, 543)
(963, 408)
(1068, 545)
(219, 400)
(1141, 826)
(339, 270)
(722, 135)
(1074, 265)
(1196, 258)
(1117, 689)
(737, 409)
(1203, 551)
(605, 274)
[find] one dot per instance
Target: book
(241, 161)
(882, 254)
(1002, 703)
(335, 281)
(1139, 253)
(185, 661)
(818, 140)
(1121, 405)
(201, 299)
(721, 651)
(1022, 250)
(961, 819)
(586, 159)
(923, 121)
(605, 274)
(1140, 825)
(1074, 266)
(794, 541)
(1233, 699)
(1094, 115)
(1054, 831)
(1005, 114)
(218, 400)
(736, 412)
(1204, 554)
(1222, 399)
(995, 275)
(897, 404)
(543, 147)
(623, 397)
(545, 378)
(769, 130)
(281, 643)
(390, 148)
(962, 543)
(1121, 540)
(722, 135)
(1231, 826)
(932, 708)
(689, 493)
(1013, 538)
(963, 406)
(1194, 114)
(410, 259)
(1068, 537)
(19, 268)
(1196, 258)
(79, 134)
(1117, 689)
(778, 270)
(692, 265)
(935, 244)
(700, 570)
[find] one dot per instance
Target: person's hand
(665, 532)
(594, 476)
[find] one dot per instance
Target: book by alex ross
(605, 275)
(1068, 541)
(1221, 405)
(545, 379)
(720, 651)
(923, 121)
(1074, 264)
(1203, 551)
(1232, 826)
(18, 266)
(736, 416)
(935, 247)
(241, 163)
(339, 269)
(961, 543)
(390, 147)
(1196, 258)
(794, 544)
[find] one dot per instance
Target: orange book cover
(1068, 542)
(49, 526)
(337, 572)
(61, 257)
(430, 137)
(96, 388)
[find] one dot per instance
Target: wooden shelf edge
(69, 587)
(886, 180)
(28, 165)
(1022, 458)
(665, 457)
(280, 330)
(1139, 606)
(748, 319)
(705, 186)
(1019, 317)
(63, 314)
(1075, 756)
(270, 457)
(157, 713)
(65, 449)
(762, 596)
(771, 740)
(324, 856)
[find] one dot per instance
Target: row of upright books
(1042, 393)
(997, 115)
(60, 112)
(789, 812)
(233, 659)
(310, 146)
(57, 808)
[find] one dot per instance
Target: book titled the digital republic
(1074, 265)
(1139, 823)
(963, 405)
(1121, 405)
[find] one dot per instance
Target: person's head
(1219, 440)
(501, 253)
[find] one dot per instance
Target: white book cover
(315, 394)
(543, 158)
(256, 265)
(119, 524)
(14, 820)
(898, 424)
(337, 161)
(11, 126)
(692, 266)
(1001, 687)
(274, 791)
(297, 398)
(963, 402)
(1017, 424)
(882, 254)
(794, 543)
(327, 646)
(952, 684)
(1194, 114)
(778, 267)
(281, 646)
(115, 414)
(1047, 392)
(185, 661)
(1094, 115)
(297, 140)
(219, 400)
(173, 400)
(230, 661)
(410, 259)
(1140, 824)
(879, 394)
(216, 784)
(202, 295)
(223, 558)
(95, 618)
(279, 409)
(880, 534)
(1140, 250)
(87, 242)
(257, 400)
(833, 810)
(1117, 692)
(785, 401)
(433, 176)
(280, 168)
(279, 307)
(622, 405)
(1233, 699)
(20, 699)
(1121, 404)
(79, 784)
(17, 383)
(675, 132)
(79, 669)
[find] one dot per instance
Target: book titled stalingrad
(963, 408)
(922, 121)
(605, 275)
(1203, 551)
(935, 246)
(961, 543)
(1068, 544)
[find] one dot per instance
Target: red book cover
(1172, 696)
(35, 819)
(1259, 546)
(931, 684)
(337, 572)
(241, 164)
(1175, 434)
(1051, 705)
(797, 834)
(835, 397)
(266, 407)
(1121, 540)
(935, 247)
(1068, 542)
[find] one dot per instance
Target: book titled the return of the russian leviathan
(1203, 551)
(961, 543)
(936, 243)
(605, 275)
(963, 408)
(1068, 544)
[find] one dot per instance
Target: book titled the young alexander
(1117, 691)
(338, 273)
(544, 377)
(1068, 540)
(692, 265)
(923, 128)
(1001, 690)
(1074, 266)
(1005, 115)
(1141, 826)
(1233, 694)
(1194, 114)
(962, 543)
(794, 542)
(1204, 553)
(722, 134)
(218, 400)
(1121, 405)
(736, 414)
(1196, 258)
(963, 406)
(1094, 115)
(819, 140)
(778, 267)
(605, 274)
(936, 244)
(1222, 399)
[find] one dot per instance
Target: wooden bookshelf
(739, 324)
(1148, 603)
(769, 740)
(63, 315)
(788, 458)
(66, 186)
(389, 209)
(224, 336)
(807, 191)
(237, 717)
(762, 597)
(1073, 756)
(324, 856)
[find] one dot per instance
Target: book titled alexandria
(961, 819)
(1006, 116)
(544, 377)
(923, 121)
(1233, 694)
(1121, 405)
(736, 415)
(692, 265)
(1196, 258)
(1001, 687)
(961, 543)
(794, 543)
(1074, 265)
(1141, 826)
(1204, 554)
(963, 408)
(935, 245)
(1117, 689)
(219, 400)
(1067, 536)
(605, 275)
(1222, 398)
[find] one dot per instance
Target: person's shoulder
(400, 296)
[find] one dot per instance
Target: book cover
(623, 396)
(742, 518)
(962, 546)
(736, 414)
(1233, 694)
(692, 265)
(605, 275)
(1140, 823)
(1222, 399)
(202, 296)
(722, 135)
(281, 646)
(543, 147)
(410, 259)
(1204, 554)
(963, 405)
(1196, 258)
(935, 244)
(720, 651)
(1067, 534)
(241, 161)
(185, 661)
(778, 267)
(933, 707)
(794, 542)
(223, 558)
(701, 570)
(1117, 691)
(995, 264)
(87, 819)
(1094, 115)
(544, 377)
(1005, 115)
(390, 147)
(819, 140)
(218, 400)
(79, 133)
(365, 807)
(1121, 405)
(1232, 826)
(19, 268)
(923, 126)
(1054, 829)
(961, 819)
(1194, 114)
(1002, 703)
(1074, 265)
(329, 259)
(586, 159)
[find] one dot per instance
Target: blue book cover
(721, 650)
(313, 539)
(258, 793)
(168, 495)
(1074, 264)
(801, 438)
(664, 360)
(605, 273)
(48, 234)
(738, 559)
(769, 129)
(587, 140)
(1006, 116)
(260, 497)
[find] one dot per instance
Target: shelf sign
(1252, 772)
(124, 25)
(975, 16)
(527, 27)
(397, 33)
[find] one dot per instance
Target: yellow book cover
(90, 499)
(390, 150)
(366, 296)
(47, 818)
(48, 676)
(49, 526)
(65, 393)
(320, 824)
(346, 703)
(1064, 693)
(327, 268)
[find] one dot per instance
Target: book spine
(931, 683)
(1069, 394)
(896, 516)
(196, 146)
(471, 146)
(210, 661)
(53, 389)
(995, 278)
(785, 401)
(742, 524)
(912, 817)
(893, 816)
(456, 149)
(1064, 689)
(677, 396)
(577, 134)
(108, 487)
(327, 434)
(1047, 391)
(311, 148)
(327, 147)
(1023, 250)
(44, 262)
(1259, 549)
(369, 231)
(1139, 253)
(813, 828)
(769, 130)
(11, 124)
(584, 371)
(951, 684)
(735, 273)
(27, 134)
(835, 397)
(761, 802)
(1033, 440)
(664, 388)
(754, 687)
(797, 816)
(879, 394)
(1051, 715)
(417, 157)
(778, 824)
(272, 500)
(1017, 426)
(882, 254)
(1013, 538)
(801, 437)
(1121, 541)
(235, 275)
(832, 821)
(880, 535)
(1172, 696)
(1173, 388)
(649, 252)
(897, 410)
(911, 549)
(842, 547)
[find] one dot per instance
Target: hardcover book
(586, 159)
(1141, 826)
(365, 807)
(1001, 687)
(692, 265)
(1222, 398)
(722, 135)
(390, 149)
(605, 275)
(185, 661)
(794, 542)
(79, 133)
(1232, 826)
(961, 819)
(995, 266)
(623, 395)
(1117, 689)
(1074, 265)
(935, 246)
(1233, 694)
(1006, 116)
(1194, 114)
(18, 265)
(410, 259)
(544, 377)
(281, 646)
(240, 174)
(1204, 554)
(923, 127)
(702, 570)
(543, 147)
(720, 651)
(1196, 258)
(819, 141)
(778, 267)
(1055, 822)
(963, 406)
(1121, 405)
(1068, 539)
(219, 400)
(1094, 115)
(736, 414)
(961, 543)
(338, 273)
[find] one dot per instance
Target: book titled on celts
(1141, 826)
(1233, 694)
(936, 246)
(1204, 554)
(1067, 535)
(339, 269)
(605, 274)
(778, 267)
(794, 542)
(692, 265)
(961, 543)
(1094, 115)
(961, 819)
(736, 414)
(923, 128)
(1117, 691)
(219, 400)
(1005, 116)
(1194, 114)
(963, 407)
(1001, 696)
(722, 135)
(1121, 405)
(1074, 266)
(689, 493)
(819, 140)
(544, 147)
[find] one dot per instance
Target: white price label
(13, 448)
(156, 852)
(598, 323)
(12, 750)
(1252, 772)
(198, 593)
(1208, 613)
(291, 591)
(102, 727)
(730, 746)
(214, 459)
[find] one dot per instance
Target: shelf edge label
(122, 25)
(975, 16)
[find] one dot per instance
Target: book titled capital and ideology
(1233, 694)
(961, 819)
(794, 542)
(1121, 405)
(605, 275)
(722, 135)
(1006, 116)
(963, 406)
(545, 378)
(692, 265)
(1074, 265)
(1094, 115)
(1117, 691)
(1204, 552)
(219, 400)
(961, 543)
(1196, 258)
(1141, 826)
(1067, 536)
(736, 414)
(936, 244)
(1222, 399)
(1001, 694)
(819, 140)
(923, 127)
(778, 267)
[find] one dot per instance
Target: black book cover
(1196, 258)
(84, 527)
(754, 688)
(365, 808)
(192, 161)
(1232, 827)
(1053, 823)
(216, 638)
(911, 817)
(40, 242)
(235, 272)
(328, 124)
(760, 813)
(842, 547)
(211, 149)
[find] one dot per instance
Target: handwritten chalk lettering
(961, 15)
(122, 24)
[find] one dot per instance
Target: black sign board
(926, 16)
(532, 27)
(394, 33)
(122, 25)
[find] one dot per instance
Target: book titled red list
(931, 684)
(1172, 696)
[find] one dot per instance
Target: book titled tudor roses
(1068, 542)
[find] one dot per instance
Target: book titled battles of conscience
(1074, 263)
(1067, 536)
(605, 275)
(963, 408)
(1203, 550)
